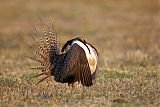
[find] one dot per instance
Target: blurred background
(125, 33)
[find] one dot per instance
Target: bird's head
(81, 39)
(70, 42)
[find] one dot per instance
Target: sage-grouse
(76, 62)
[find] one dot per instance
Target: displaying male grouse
(76, 62)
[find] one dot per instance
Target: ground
(125, 33)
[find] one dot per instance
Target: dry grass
(126, 34)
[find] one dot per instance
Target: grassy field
(125, 33)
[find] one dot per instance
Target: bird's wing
(75, 63)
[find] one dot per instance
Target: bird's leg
(70, 91)
(72, 87)
(78, 85)
(82, 93)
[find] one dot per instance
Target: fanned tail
(46, 52)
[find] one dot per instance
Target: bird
(77, 61)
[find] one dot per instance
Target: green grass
(125, 33)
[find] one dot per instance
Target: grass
(112, 89)
(125, 33)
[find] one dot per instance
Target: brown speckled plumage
(68, 66)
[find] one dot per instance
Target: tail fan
(46, 52)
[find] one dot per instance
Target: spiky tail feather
(46, 50)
